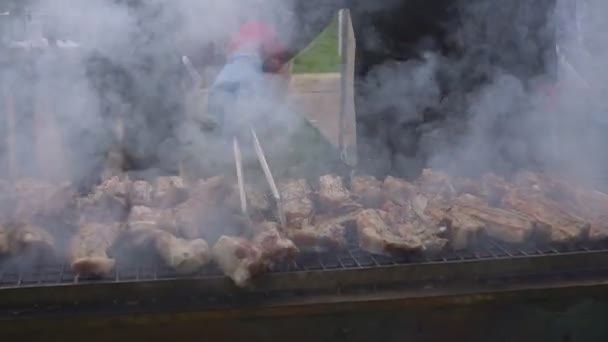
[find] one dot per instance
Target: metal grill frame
(53, 289)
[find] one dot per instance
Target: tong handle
(238, 159)
(269, 178)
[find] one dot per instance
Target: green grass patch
(322, 55)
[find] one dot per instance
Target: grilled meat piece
(89, 248)
(156, 228)
(169, 191)
(4, 239)
(527, 179)
(462, 229)
(398, 190)
(491, 188)
(413, 220)
(323, 233)
(555, 224)
(297, 204)
(29, 239)
(429, 237)
(368, 190)
(142, 218)
(7, 201)
(207, 213)
(184, 256)
(375, 236)
(334, 197)
(501, 224)
(590, 205)
(436, 183)
(239, 259)
(258, 203)
(198, 219)
(107, 204)
(215, 189)
(320, 236)
(274, 246)
(140, 193)
(494, 187)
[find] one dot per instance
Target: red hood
(257, 35)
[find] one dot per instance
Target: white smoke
(505, 124)
(146, 42)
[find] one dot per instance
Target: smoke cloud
(496, 112)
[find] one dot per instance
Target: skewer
(239, 175)
(269, 178)
(197, 79)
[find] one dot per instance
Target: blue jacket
(241, 75)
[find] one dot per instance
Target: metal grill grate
(352, 259)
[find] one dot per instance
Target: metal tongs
(267, 174)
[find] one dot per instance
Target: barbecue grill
(454, 290)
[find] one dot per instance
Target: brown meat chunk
(556, 224)
(140, 193)
(322, 236)
(7, 201)
(398, 190)
(369, 191)
(429, 237)
(239, 259)
(107, 204)
(334, 197)
(169, 191)
(163, 219)
(206, 214)
(196, 219)
(190, 217)
(413, 219)
(494, 187)
(4, 239)
(462, 229)
(590, 205)
(501, 224)
(29, 239)
(214, 190)
(258, 203)
(274, 246)
(156, 229)
(297, 204)
(184, 256)
(598, 230)
(436, 183)
(375, 236)
(467, 186)
(527, 179)
(89, 248)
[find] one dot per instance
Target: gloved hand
(251, 48)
